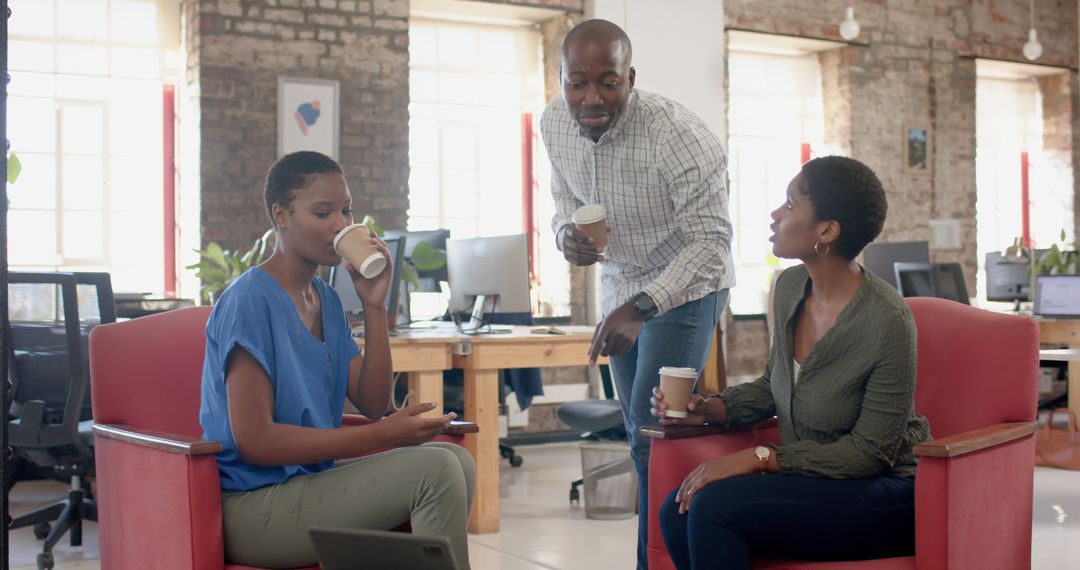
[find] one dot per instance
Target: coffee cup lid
(344, 231)
(588, 214)
(679, 372)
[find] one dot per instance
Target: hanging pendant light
(849, 28)
(1032, 49)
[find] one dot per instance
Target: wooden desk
(1067, 332)
(425, 353)
(424, 357)
(485, 356)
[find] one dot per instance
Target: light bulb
(849, 28)
(1032, 49)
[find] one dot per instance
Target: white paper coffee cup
(592, 220)
(677, 384)
(356, 247)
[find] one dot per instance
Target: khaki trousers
(431, 486)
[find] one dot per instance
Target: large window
(775, 122)
(473, 88)
(1009, 138)
(85, 119)
(468, 87)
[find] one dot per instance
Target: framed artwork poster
(916, 149)
(308, 111)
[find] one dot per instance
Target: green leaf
(14, 168)
(216, 254)
(372, 226)
(1061, 238)
(428, 258)
(409, 274)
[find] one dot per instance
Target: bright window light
(85, 118)
(775, 106)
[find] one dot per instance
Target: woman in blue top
(280, 361)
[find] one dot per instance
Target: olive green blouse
(852, 412)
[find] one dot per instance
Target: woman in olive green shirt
(841, 381)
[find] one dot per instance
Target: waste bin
(610, 481)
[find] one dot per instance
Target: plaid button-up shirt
(660, 174)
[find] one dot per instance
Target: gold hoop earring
(818, 251)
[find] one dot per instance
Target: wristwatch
(762, 454)
(644, 304)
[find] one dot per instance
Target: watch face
(762, 452)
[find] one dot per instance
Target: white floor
(541, 531)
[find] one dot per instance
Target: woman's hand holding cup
(697, 410)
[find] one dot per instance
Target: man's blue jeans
(681, 337)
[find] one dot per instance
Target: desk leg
(1074, 387)
(427, 387)
(482, 407)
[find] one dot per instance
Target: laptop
(1057, 296)
(348, 549)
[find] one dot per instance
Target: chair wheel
(516, 461)
(41, 530)
(575, 496)
(45, 561)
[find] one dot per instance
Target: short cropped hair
(293, 172)
(848, 191)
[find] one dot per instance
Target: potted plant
(218, 268)
(1060, 259)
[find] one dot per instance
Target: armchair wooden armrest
(180, 444)
(658, 431)
(967, 442)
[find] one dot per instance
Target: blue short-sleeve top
(309, 376)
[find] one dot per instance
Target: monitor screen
(428, 280)
(915, 282)
(880, 257)
(1057, 296)
(489, 266)
(341, 281)
(1008, 279)
(943, 280)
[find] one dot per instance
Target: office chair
(596, 419)
(51, 421)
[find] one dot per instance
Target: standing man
(659, 173)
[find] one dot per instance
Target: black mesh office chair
(51, 316)
(596, 419)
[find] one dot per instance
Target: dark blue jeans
(790, 516)
(681, 337)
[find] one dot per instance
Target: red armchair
(158, 490)
(977, 385)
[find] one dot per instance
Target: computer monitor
(880, 257)
(489, 274)
(943, 280)
(1009, 279)
(429, 280)
(341, 281)
(1057, 296)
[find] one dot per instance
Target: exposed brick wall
(237, 51)
(1061, 129)
(914, 66)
